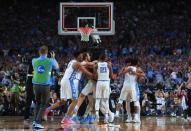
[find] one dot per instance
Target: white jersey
(129, 78)
(70, 73)
(103, 71)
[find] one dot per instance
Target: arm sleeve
(32, 62)
(53, 63)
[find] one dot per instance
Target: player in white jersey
(69, 85)
(104, 72)
(129, 90)
(89, 88)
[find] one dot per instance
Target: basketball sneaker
(106, 121)
(85, 120)
(75, 119)
(38, 126)
(67, 120)
(33, 123)
(92, 119)
(136, 120)
(129, 120)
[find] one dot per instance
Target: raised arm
(53, 61)
(139, 72)
(123, 71)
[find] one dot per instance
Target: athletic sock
(110, 113)
(76, 109)
(66, 116)
(117, 113)
(106, 116)
(74, 115)
(128, 109)
(97, 113)
(136, 116)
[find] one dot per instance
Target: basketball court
(91, 21)
(147, 124)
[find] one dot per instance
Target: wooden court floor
(12, 123)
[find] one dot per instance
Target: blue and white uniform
(129, 90)
(103, 82)
(70, 82)
(89, 88)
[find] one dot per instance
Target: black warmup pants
(189, 102)
(42, 96)
(29, 97)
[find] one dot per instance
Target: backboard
(98, 15)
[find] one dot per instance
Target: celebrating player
(104, 72)
(129, 91)
(69, 85)
(89, 88)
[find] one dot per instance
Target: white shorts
(69, 89)
(128, 94)
(103, 89)
(89, 88)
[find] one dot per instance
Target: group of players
(98, 74)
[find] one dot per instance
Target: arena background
(157, 32)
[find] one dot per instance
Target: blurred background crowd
(161, 41)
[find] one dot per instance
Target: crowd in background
(161, 41)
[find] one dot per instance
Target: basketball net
(85, 33)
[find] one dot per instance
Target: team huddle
(98, 74)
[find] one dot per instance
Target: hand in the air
(52, 54)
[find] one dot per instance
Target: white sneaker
(185, 120)
(136, 120)
(129, 120)
(106, 121)
(173, 114)
(38, 126)
(189, 119)
(111, 117)
(33, 123)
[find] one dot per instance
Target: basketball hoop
(85, 33)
